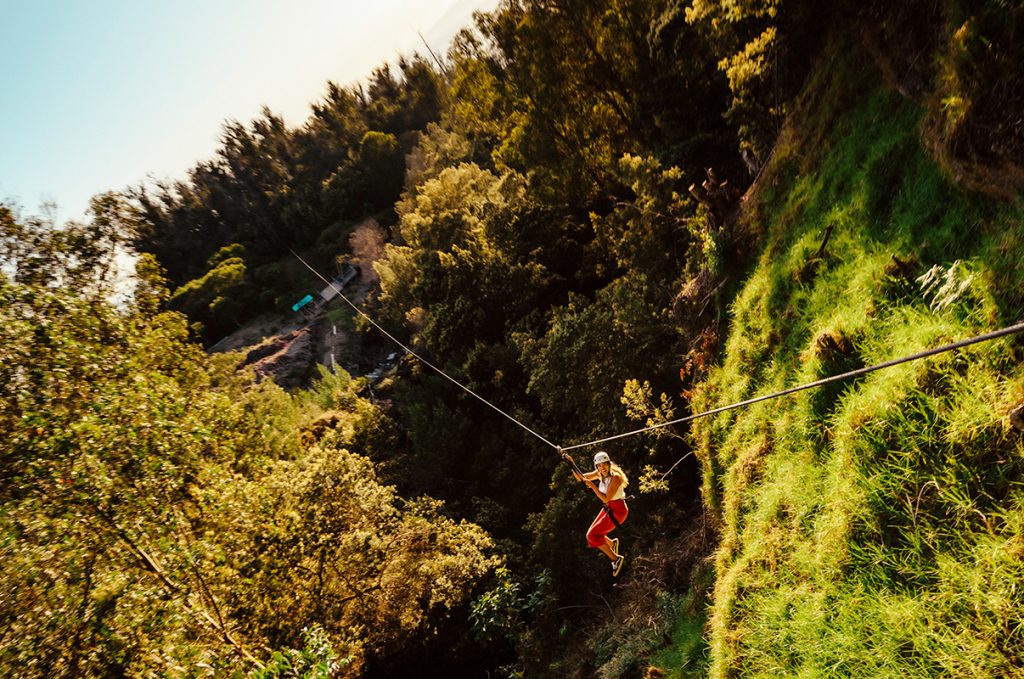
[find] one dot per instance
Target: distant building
(309, 306)
(339, 282)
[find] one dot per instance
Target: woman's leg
(597, 535)
(621, 511)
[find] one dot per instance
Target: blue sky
(99, 95)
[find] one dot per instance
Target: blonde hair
(616, 470)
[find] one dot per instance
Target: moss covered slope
(874, 528)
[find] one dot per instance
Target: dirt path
(287, 347)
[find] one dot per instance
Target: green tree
(220, 297)
(765, 47)
(382, 161)
(158, 507)
(458, 247)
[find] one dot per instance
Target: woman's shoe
(617, 566)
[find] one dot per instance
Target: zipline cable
(1010, 330)
(562, 450)
(423, 360)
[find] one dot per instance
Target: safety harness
(607, 509)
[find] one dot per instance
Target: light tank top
(620, 492)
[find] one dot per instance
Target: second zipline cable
(995, 334)
(1010, 330)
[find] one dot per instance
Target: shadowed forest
(598, 217)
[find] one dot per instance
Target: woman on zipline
(611, 490)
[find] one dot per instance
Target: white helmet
(601, 457)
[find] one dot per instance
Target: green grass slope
(875, 528)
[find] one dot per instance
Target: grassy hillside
(875, 528)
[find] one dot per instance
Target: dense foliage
(552, 215)
(271, 188)
(160, 511)
(875, 527)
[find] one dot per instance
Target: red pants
(603, 523)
